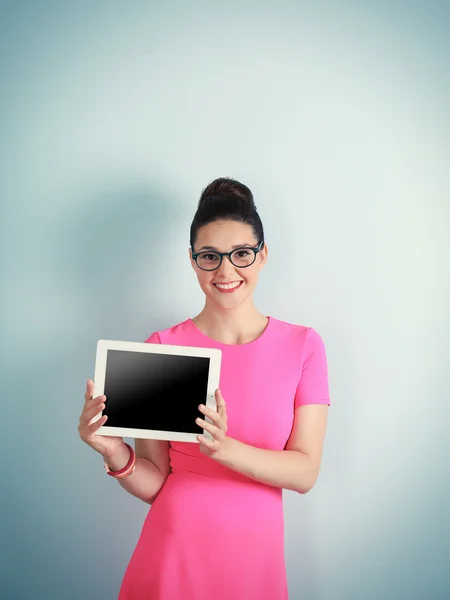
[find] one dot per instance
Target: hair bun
(230, 200)
(226, 188)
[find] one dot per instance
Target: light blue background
(114, 116)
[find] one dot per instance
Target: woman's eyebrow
(214, 248)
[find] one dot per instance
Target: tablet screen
(155, 391)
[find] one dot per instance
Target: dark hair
(226, 199)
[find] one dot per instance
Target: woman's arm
(152, 468)
(294, 468)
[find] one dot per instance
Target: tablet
(153, 390)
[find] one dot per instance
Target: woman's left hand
(217, 428)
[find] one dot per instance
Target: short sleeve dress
(212, 533)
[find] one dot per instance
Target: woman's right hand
(104, 445)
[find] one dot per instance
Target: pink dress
(212, 533)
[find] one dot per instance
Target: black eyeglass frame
(222, 254)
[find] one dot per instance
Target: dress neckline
(259, 338)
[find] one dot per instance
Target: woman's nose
(227, 267)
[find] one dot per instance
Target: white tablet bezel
(215, 356)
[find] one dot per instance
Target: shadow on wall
(109, 256)
(91, 286)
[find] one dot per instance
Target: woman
(215, 529)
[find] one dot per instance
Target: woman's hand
(217, 429)
(104, 445)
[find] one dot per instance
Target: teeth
(227, 286)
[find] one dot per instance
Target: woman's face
(223, 236)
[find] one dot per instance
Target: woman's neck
(231, 327)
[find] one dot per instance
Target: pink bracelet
(128, 468)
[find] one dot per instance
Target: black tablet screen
(155, 391)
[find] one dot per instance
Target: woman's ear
(192, 261)
(264, 255)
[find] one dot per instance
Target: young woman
(215, 529)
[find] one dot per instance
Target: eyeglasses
(241, 257)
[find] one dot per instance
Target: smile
(228, 287)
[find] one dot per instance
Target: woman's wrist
(119, 459)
